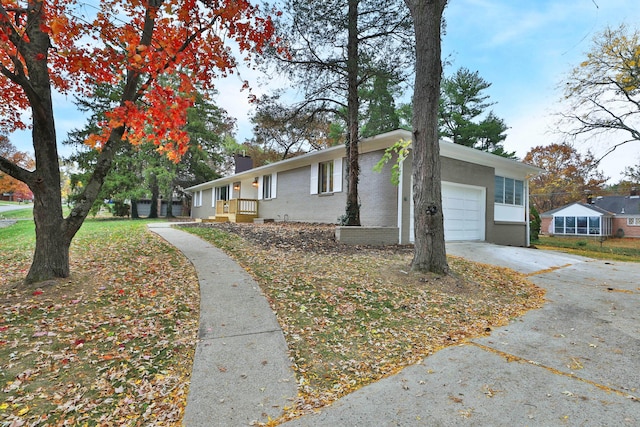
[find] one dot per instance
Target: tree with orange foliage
(8, 184)
(569, 176)
(71, 47)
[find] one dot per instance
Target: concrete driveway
(7, 208)
(574, 362)
(12, 207)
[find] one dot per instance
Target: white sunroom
(579, 219)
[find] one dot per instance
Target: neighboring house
(601, 216)
(485, 197)
(577, 219)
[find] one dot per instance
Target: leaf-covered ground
(352, 314)
(112, 344)
(109, 346)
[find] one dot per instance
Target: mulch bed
(298, 236)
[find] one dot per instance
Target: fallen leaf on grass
(94, 353)
(352, 315)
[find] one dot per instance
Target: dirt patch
(294, 236)
(77, 285)
(399, 272)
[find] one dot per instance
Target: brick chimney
(243, 163)
(589, 197)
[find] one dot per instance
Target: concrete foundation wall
(367, 235)
(509, 234)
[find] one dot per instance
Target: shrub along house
(485, 197)
(602, 216)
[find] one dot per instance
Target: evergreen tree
(462, 105)
(335, 48)
(381, 114)
(142, 171)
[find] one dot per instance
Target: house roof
(619, 205)
(592, 207)
(380, 142)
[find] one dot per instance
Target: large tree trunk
(53, 232)
(51, 257)
(155, 193)
(134, 209)
(170, 203)
(353, 106)
(429, 252)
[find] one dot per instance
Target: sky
(523, 48)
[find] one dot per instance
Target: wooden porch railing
(237, 207)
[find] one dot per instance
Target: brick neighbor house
(608, 216)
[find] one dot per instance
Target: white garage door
(463, 209)
(464, 212)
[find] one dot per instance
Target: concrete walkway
(574, 362)
(11, 207)
(241, 371)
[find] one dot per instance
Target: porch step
(212, 219)
(262, 220)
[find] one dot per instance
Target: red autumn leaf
(121, 39)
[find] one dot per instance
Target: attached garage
(464, 212)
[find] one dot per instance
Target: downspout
(527, 214)
(400, 198)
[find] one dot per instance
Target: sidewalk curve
(241, 371)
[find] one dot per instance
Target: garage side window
(509, 191)
(197, 199)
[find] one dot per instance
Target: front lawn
(26, 213)
(353, 315)
(625, 249)
(111, 345)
